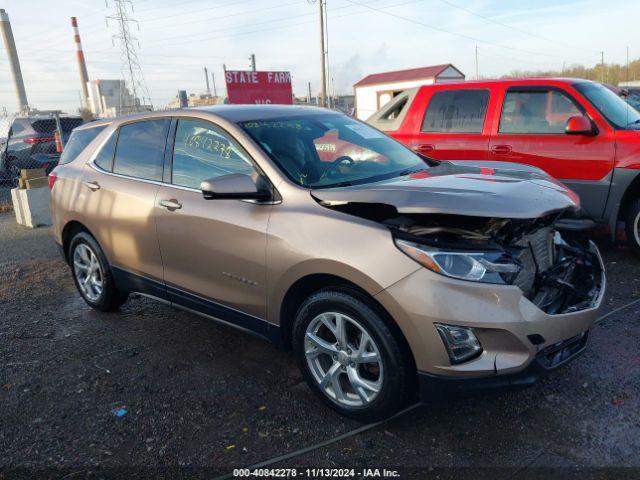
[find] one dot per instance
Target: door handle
(171, 204)
(501, 149)
(425, 149)
(93, 186)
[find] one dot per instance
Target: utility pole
(323, 68)
(213, 80)
(477, 71)
(602, 65)
(252, 60)
(131, 62)
(563, 65)
(333, 93)
(627, 75)
(206, 79)
(309, 93)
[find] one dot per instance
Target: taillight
(52, 180)
(32, 140)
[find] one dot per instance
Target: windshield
(612, 107)
(319, 151)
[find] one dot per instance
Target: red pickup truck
(576, 130)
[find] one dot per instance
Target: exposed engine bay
(559, 273)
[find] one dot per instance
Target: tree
(613, 73)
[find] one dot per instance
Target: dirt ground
(152, 391)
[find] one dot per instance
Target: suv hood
(480, 189)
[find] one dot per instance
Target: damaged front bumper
(548, 359)
(520, 341)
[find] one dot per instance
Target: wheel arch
(309, 284)
(631, 193)
(70, 230)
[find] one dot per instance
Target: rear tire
(633, 225)
(364, 373)
(92, 274)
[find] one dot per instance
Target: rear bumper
(434, 387)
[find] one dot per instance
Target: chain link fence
(32, 141)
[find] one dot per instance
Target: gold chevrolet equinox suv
(389, 275)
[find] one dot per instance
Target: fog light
(461, 343)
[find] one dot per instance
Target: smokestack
(206, 77)
(10, 46)
(82, 66)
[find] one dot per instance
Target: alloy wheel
(88, 272)
(344, 359)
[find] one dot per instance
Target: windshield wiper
(634, 122)
(333, 185)
(409, 171)
(431, 161)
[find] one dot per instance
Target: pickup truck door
(531, 130)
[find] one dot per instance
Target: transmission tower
(130, 65)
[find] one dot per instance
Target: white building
(110, 98)
(374, 90)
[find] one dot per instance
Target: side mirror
(236, 186)
(579, 125)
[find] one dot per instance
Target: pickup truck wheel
(349, 356)
(92, 275)
(633, 225)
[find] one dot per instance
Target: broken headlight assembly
(491, 266)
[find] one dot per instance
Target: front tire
(92, 275)
(350, 357)
(633, 225)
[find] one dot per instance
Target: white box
(32, 206)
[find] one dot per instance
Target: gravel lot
(200, 398)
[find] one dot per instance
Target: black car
(30, 143)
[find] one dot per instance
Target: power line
(218, 17)
(498, 22)
(131, 64)
(191, 12)
(450, 32)
(232, 28)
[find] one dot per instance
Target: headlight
(487, 267)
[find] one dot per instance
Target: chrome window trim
(91, 164)
(118, 175)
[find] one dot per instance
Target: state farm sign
(258, 87)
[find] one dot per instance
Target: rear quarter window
(456, 111)
(78, 141)
(20, 126)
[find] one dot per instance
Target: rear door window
(202, 151)
(536, 112)
(140, 149)
(78, 142)
(456, 111)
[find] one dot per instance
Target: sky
(177, 39)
